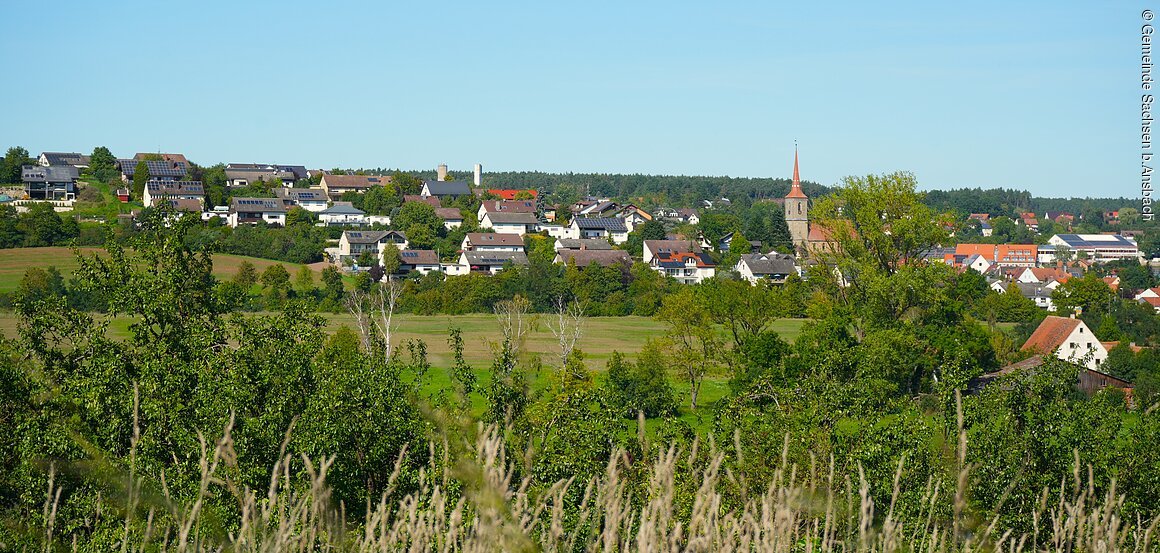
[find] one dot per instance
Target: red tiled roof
(434, 201)
(510, 194)
(1051, 334)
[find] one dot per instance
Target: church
(797, 207)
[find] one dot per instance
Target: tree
(304, 280)
(391, 259)
(417, 213)
(421, 237)
(299, 216)
(43, 226)
(744, 310)
(691, 332)
(276, 277)
(1090, 294)
(642, 386)
(102, 164)
(141, 177)
(247, 275)
(10, 165)
(651, 230)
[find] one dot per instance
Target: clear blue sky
(1041, 96)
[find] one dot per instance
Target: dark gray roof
(65, 158)
(448, 188)
(449, 213)
(174, 169)
(174, 188)
(298, 171)
(495, 258)
(506, 217)
(252, 205)
(55, 174)
(584, 243)
(254, 175)
(300, 194)
(343, 208)
(1033, 290)
(770, 264)
(1097, 240)
(419, 257)
(611, 224)
(364, 236)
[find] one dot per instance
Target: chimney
(1072, 316)
(441, 172)
(478, 175)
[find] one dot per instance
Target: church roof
(795, 190)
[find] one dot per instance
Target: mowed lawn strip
(15, 261)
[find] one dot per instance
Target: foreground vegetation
(205, 428)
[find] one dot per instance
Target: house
(769, 267)
(163, 190)
(183, 205)
(977, 262)
(600, 227)
(429, 200)
(557, 231)
(488, 261)
(342, 213)
(1090, 380)
(1113, 282)
(1043, 275)
(582, 244)
(445, 188)
(633, 216)
(726, 242)
(335, 186)
(1098, 247)
(1004, 255)
(1062, 217)
(236, 178)
(245, 174)
(505, 206)
(509, 223)
(310, 199)
(1028, 220)
(158, 169)
(1069, 339)
(452, 216)
(605, 258)
(62, 159)
(688, 267)
(653, 248)
(421, 261)
(510, 194)
(354, 243)
(684, 216)
(601, 208)
(56, 183)
(492, 242)
(256, 210)
(986, 229)
(1038, 293)
(171, 158)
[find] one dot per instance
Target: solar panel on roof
(410, 254)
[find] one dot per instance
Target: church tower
(797, 206)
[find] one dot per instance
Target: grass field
(14, 261)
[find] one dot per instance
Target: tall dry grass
(470, 499)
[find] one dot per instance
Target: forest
(210, 428)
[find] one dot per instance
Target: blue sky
(1038, 96)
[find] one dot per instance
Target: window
(1072, 345)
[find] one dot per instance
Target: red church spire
(795, 190)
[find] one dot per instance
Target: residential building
(1069, 339)
(582, 244)
(354, 243)
(509, 223)
(61, 159)
(1038, 292)
(599, 208)
(1028, 220)
(557, 231)
(310, 199)
(505, 206)
(633, 216)
(342, 213)
(336, 185)
(1098, 247)
(1004, 255)
(769, 267)
(55, 183)
(171, 158)
(488, 261)
(443, 189)
(687, 267)
(256, 210)
(421, 261)
(492, 242)
(433, 201)
(163, 190)
(1042, 275)
(655, 248)
(510, 194)
(452, 216)
(245, 174)
(600, 227)
(158, 169)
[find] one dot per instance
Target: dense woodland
(222, 430)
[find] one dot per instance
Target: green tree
(1090, 294)
(695, 343)
(299, 216)
(275, 276)
(304, 280)
(392, 259)
(332, 283)
(642, 386)
(103, 165)
(10, 164)
(417, 213)
(247, 275)
(141, 176)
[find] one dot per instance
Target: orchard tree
(695, 343)
(10, 164)
(102, 164)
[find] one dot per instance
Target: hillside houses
(335, 186)
(310, 199)
(354, 243)
(609, 228)
(157, 191)
(584, 257)
(445, 189)
(767, 267)
(510, 223)
(55, 183)
(245, 174)
(251, 211)
(492, 242)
